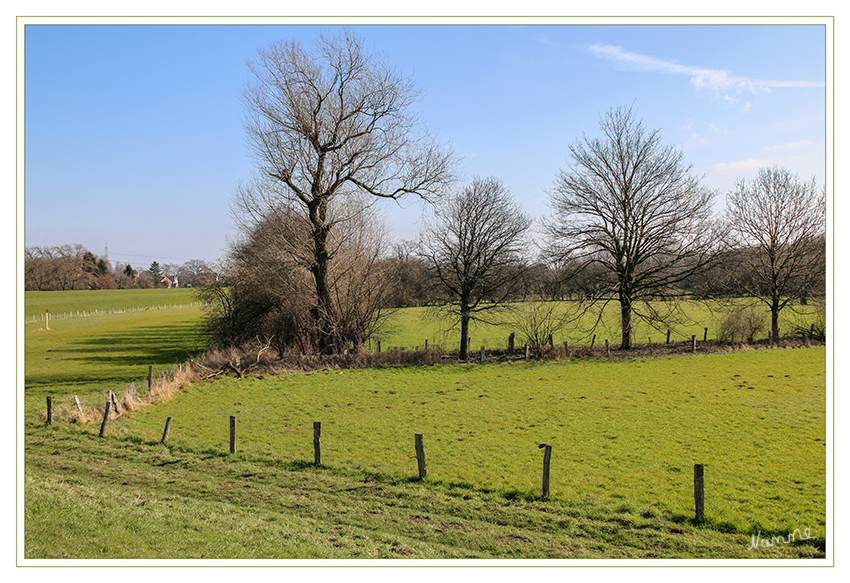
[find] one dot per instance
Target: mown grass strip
(131, 499)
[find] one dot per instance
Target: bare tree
(775, 227)
(331, 123)
(474, 249)
(630, 205)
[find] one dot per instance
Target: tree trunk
(324, 314)
(626, 322)
(464, 335)
(774, 319)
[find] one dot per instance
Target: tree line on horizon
(73, 267)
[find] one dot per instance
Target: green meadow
(625, 435)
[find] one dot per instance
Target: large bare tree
(776, 226)
(474, 248)
(330, 123)
(629, 205)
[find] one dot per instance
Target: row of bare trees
(332, 132)
(73, 267)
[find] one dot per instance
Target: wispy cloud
(792, 145)
(701, 78)
(742, 164)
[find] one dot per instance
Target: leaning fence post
(167, 430)
(105, 417)
(233, 434)
(547, 456)
(317, 443)
(592, 341)
(49, 410)
(420, 455)
(699, 493)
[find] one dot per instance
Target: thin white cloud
(701, 78)
(791, 145)
(742, 164)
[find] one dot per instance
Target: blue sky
(134, 133)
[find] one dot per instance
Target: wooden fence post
(233, 434)
(482, 355)
(114, 401)
(668, 335)
(426, 344)
(693, 343)
(566, 349)
(527, 352)
(167, 430)
(150, 377)
(547, 456)
(420, 455)
(317, 443)
(650, 344)
(607, 349)
(592, 341)
(77, 403)
(511, 342)
(699, 493)
(49, 409)
(705, 335)
(105, 418)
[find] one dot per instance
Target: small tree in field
(474, 249)
(775, 233)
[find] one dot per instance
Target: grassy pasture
(625, 432)
(625, 435)
(410, 327)
(59, 302)
(87, 356)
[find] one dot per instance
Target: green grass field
(625, 436)
(411, 327)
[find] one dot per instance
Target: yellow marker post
(47, 319)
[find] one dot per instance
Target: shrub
(741, 324)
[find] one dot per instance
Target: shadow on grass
(148, 345)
